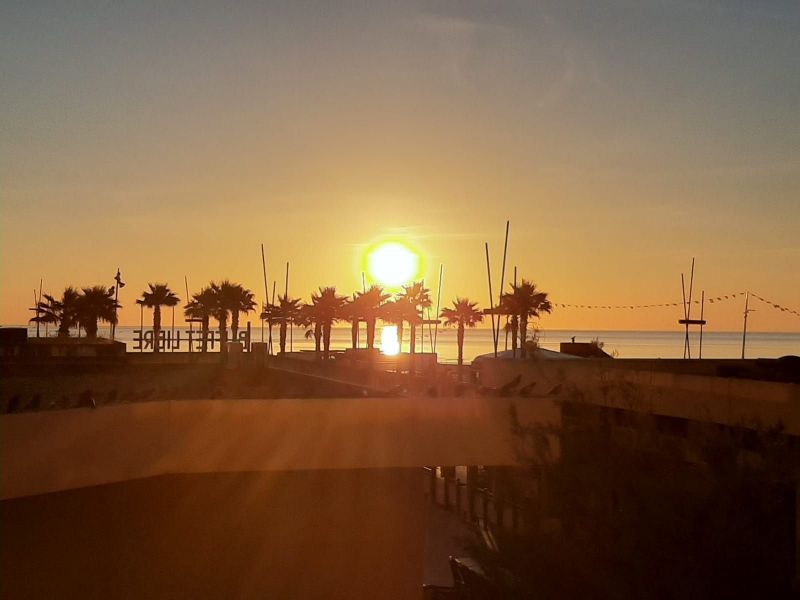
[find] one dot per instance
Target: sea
(621, 344)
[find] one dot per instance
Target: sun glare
(389, 344)
(393, 264)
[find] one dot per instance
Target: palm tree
(327, 309)
(509, 306)
(463, 314)
(523, 302)
(203, 306)
(61, 312)
(419, 297)
(287, 310)
(372, 301)
(242, 301)
(398, 312)
(227, 301)
(353, 311)
(308, 317)
(96, 304)
(159, 295)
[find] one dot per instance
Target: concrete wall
(42, 452)
(726, 401)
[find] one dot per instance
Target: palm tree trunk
(354, 333)
(91, 328)
(514, 335)
(235, 326)
(400, 335)
(156, 328)
(282, 340)
(204, 326)
(326, 339)
(317, 339)
(371, 323)
(460, 342)
(412, 344)
(223, 333)
(523, 333)
(63, 328)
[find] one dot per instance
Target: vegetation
(523, 302)
(418, 297)
(95, 304)
(463, 314)
(61, 312)
(157, 296)
(203, 306)
(373, 299)
(225, 301)
(240, 300)
(326, 308)
(287, 311)
(353, 312)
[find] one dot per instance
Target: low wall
(658, 388)
(48, 451)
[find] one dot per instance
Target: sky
(620, 139)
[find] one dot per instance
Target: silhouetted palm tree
(62, 312)
(227, 300)
(327, 309)
(463, 314)
(509, 306)
(523, 302)
(307, 317)
(353, 311)
(397, 313)
(419, 297)
(203, 306)
(96, 304)
(242, 301)
(159, 295)
(286, 311)
(372, 301)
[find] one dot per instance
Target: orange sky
(172, 142)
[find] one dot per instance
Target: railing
(475, 505)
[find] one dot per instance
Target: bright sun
(392, 264)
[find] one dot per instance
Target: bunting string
(776, 306)
(709, 300)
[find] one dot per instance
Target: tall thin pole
(746, 311)
(141, 327)
(685, 318)
(41, 282)
(172, 341)
(702, 307)
(36, 308)
(363, 282)
(274, 284)
(438, 302)
(422, 326)
(264, 271)
(291, 321)
(266, 288)
(502, 285)
(191, 323)
(491, 297)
